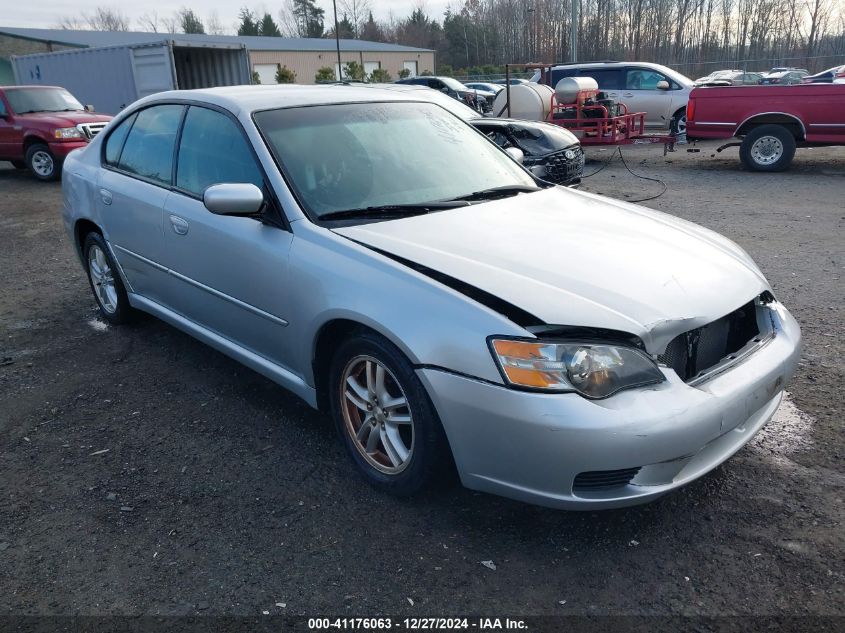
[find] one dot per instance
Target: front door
(640, 94)
(228, 273)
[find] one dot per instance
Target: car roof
(252, 98)
(38, 87)
(674, 74)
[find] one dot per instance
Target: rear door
(228, 274)
(133, 188)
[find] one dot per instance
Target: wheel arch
(789, 121)
(33, 139)
(326, 339)
(81, 228)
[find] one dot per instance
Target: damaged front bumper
(564, 451)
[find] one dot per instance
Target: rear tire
(385, 418)
(767, 148)
(42, 163)
(106, 284)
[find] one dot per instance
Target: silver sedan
(386, 262)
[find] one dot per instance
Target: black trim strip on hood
(508, 310)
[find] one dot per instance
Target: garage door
(266, 73)
(411, 66)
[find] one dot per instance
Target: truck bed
(816, 112)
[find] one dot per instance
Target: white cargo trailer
(110, 78)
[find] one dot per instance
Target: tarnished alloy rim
(102, 279)
(376, 415)
(767, 150)
(42, 163)
(681, 125)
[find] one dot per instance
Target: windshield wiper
(389, 210)
(499, 192)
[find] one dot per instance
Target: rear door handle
(180, 226)
(627, 94)
(105, 196)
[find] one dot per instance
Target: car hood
(66, 119)
(577, 259)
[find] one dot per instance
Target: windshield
(25, 100)
(355, 156)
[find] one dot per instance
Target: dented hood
(577, 259)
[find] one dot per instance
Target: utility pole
(573, 32)
(337, 42)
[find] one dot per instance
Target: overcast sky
(48, 13)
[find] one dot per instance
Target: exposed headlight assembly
(67, 132)
(595, 370)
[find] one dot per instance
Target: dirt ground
(142, 472)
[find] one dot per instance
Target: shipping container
(110, 78)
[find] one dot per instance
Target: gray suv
(658, 91)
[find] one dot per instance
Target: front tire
(678, 124)
(385, 418)
(108, 289)
(767, 148)
(42, 163)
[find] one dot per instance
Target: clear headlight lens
(595, 370)
(67, 132)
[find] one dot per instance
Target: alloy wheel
(377, 415)
(102, 279)
(42, 163)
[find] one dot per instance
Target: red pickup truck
(40, 125)
(771, 121)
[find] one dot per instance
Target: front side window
(148, 150)
(354, 156)
(212, 150)
(642, 79)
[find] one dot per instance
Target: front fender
(332, 277)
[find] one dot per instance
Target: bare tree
(103, 19)
(357, 11)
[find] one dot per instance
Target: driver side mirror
(662, 85)
(517, 154)
(89, 108)
(233, 199)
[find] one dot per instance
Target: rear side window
(606, 78)
(148, 150)
(559, 74)
(115, 141)
(213, 150)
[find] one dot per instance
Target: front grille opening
(604, 479)
(697, 350)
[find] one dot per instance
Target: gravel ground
(142, 472)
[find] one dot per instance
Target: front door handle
(180, 226)
(105, 196)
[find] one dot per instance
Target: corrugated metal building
(304, 56)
